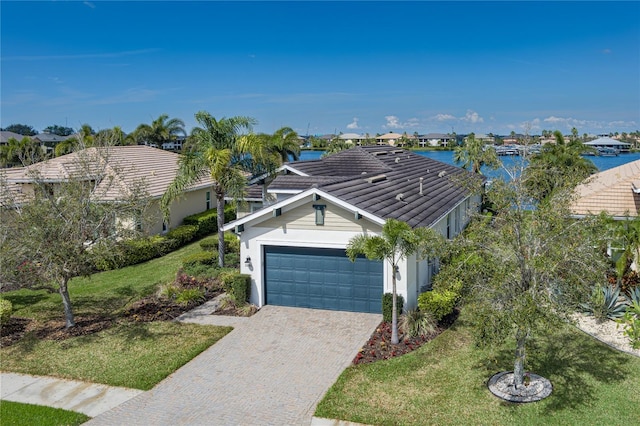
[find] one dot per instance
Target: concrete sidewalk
(88, 398)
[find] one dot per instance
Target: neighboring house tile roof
(51, 138)
(127, 164)
(606, 142)
(385, 182)
(615, 191)
(6, 135)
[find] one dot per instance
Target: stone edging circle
(501, 385)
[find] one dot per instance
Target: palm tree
(23, 152)
(214, 150)
(473, 154)
(160, 131)
(397, 242)
(558, 166)
(285, 143)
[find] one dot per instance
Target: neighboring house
(482, 138)
(127, 166)
(5, 136)
(435, 139)
(50, 140)
(607, 142)
(353, 138)
(615, 192)
(294, 249)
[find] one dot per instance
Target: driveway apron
(270, 370)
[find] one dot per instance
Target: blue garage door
(322, 279)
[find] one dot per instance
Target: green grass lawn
(18, 414)
(444, 383)
(102, 293)
(135, 355)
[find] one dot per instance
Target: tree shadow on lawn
(571, 361)
(20, 300)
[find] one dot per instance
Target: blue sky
(364, 67)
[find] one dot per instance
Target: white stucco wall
(296, 228)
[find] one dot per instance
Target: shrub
(387, 306)
(190, 295)
(206, 222)
(6, 308)
(182, 235)
(631, 319)
(231, 260)
(605, 303)
(209, 243)
(237, 285)
(417, 323)
(201, 271)
(169, 291)
(200, 258)
(439, 302)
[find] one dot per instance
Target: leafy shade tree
(21, 152)
(59, 130)
(160, 130)
(397, 242)
(57, 229)
(473, 154)
(214, 150)
(527, 268)
(557, 167)
(21, 129)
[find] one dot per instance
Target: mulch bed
(148, 309)
(17, 328)
(379, 346)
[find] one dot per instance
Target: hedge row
(140, 250)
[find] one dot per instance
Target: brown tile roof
(396, 194)
(610, 191)
(127, 164)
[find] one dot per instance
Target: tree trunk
(220, 210)
(66, 302)
(394, 309)
(518, 368)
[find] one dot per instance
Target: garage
(322, 279)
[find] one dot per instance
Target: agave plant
(605, 303)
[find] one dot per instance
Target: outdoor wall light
(247, 262)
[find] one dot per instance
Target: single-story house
(294, 249)
(126, 167)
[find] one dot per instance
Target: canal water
(602, 163)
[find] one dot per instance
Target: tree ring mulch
(501, 385)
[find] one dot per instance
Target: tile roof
(396, 191)
(127, 164)
(612, 191)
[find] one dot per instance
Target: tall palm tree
(474, 155)
(21, 152)
(160, 130)
(213, 150)
(397, 242)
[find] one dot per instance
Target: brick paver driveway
(270, 370)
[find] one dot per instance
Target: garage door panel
(322, 279)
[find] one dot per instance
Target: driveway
(272, 369)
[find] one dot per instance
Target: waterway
(602, 163)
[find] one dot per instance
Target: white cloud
(393, 122)
(353, 124)
(606, 51)
(443, 117)
(472, 117)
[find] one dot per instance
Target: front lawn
(102, 293)
(18, 414)
(132, 355)
(444, 383)
(105, 347)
